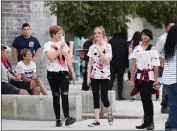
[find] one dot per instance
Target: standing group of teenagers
(107, 59)
(101, 70)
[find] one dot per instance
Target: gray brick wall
(15, 13)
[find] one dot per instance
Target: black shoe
(58, 123)
(164, 110)
(133, 99)
(150, 127)
(110, 118)
(69, 120)
(145, 123)
(121, 98)
(93, 124)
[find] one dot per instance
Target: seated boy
(26, 71)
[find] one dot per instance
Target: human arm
(51, 55)
(36, 55)
(37, 46)
(15, 46)
(106, 55)
(89, 67)
(70, 66)
(159, 46)
(155, 64)
(71, 46)
(133, 73)
(15, 55)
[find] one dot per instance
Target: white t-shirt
(54, 66)
(28, 70)
(170, 71)
(145, 60)
(160, 43)
(100, 70)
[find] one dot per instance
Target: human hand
(54, 46)
(73, 78)
(88, 82)
(156, 85)
(132, 83)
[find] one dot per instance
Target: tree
(80, 17)
(158, 13)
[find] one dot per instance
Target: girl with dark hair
(169, 77)
(132, 44)
(145, 62)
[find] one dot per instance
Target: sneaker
(69, 121)
(58, 123)
(93, 124)
(110, 118)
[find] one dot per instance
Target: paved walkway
(123, 108)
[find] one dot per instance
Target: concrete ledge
(37, 107)
(87, 100)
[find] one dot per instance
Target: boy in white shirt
(26, 70)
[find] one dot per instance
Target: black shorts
(22, 85)
(8, 88)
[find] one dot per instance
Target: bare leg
(42, 87)
(97, 114)
(36, 90)
(108, 110)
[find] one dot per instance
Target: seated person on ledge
(6, 86)
(26, 71)
(5, 60)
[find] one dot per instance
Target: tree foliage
(158, 13)
(80, 17)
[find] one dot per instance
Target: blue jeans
(171, 91)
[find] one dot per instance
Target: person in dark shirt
(84, 62)
(25, 41)
(119, 61)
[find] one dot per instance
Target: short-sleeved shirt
(99, 69)
(55, 66)
(21, 42)
(169, 73)
(28, 70)
(145, 59)
(160, 43)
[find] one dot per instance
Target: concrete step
(20, 107)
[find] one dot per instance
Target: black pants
(85, 87)
(164, 102)
(146, 91)
(96, 84)
(59, 84)
(8, 88)
(22, 85)
(119, 71)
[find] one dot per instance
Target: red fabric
(144, 74)
(6, 63)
